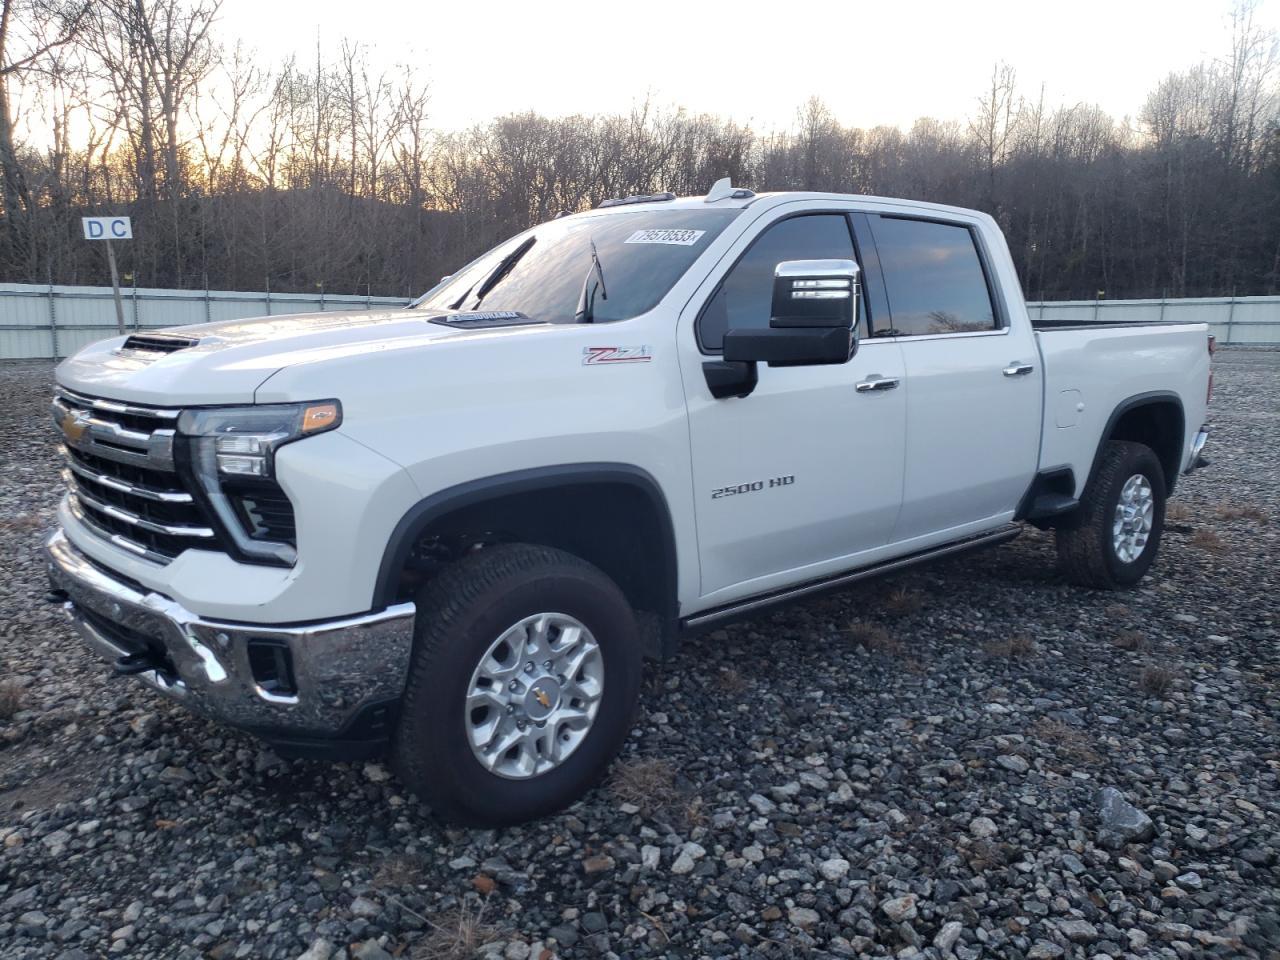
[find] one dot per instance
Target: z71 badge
(593, 355)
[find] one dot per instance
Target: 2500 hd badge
(719, 493)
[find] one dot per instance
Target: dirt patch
(43, 789)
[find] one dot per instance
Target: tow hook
(56, 595)
(132, 663)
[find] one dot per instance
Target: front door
(805, 472)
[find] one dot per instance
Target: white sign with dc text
(107, 228)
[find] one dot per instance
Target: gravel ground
(918, 767)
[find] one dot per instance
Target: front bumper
(346, 675)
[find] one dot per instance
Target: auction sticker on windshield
(677, 236)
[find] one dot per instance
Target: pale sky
(871, 63)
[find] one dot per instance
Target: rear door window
(933, 277)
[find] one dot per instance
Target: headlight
(242, 441)
(230, 444)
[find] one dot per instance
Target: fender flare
(1135, 402)
(422, 514)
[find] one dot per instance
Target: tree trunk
(17, 198)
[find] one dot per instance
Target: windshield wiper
(495, 276)
(586, 311)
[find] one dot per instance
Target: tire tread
(450, 599)
(1083, 543)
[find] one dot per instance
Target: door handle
(1017, 369)
(876, 383)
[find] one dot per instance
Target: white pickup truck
(452, 531)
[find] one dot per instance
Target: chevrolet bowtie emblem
(542, 698)
(74, 424)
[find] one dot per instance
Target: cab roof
(724, 195)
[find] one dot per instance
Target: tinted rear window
(933, 277)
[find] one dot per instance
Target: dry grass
(1208, 541)
(648, 783)
(1177, 511)
(1116, 611)
(1156, 680)
(1131, 640)
(1016, 645)
(730, 681)
(11, 698)
(874, 637)
(22, 524)
(1070, 743)
(902, 602)
(456, 935)
(399, 870)
(1244, 511)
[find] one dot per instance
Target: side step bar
(741, 608)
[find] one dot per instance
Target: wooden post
(115, 286)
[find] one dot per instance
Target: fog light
(272, 668)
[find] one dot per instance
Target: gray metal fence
(1241, 321)
(43, 321)
(38, 321)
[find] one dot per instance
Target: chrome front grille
(122, 476)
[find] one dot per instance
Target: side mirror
(813, 320)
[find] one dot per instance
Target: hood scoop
(153, 345)
(485, 320)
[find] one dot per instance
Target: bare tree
(30, 31)
(328, 175)
(992, 128)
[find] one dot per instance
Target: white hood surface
(231, 359)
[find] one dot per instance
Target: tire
(1088, 552)
(462, 614)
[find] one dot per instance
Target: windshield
(642, 253)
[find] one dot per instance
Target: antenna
(723, 189)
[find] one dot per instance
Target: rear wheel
(523, 684)
(1115, 534)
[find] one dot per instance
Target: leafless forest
(328, 174)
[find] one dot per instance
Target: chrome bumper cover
(1195, 461)
(339, 666)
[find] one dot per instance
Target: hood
(226, 362)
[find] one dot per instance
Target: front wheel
(524, 680)
(1115, 534)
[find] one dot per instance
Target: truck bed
(1091, 369)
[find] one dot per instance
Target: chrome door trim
(911, 338)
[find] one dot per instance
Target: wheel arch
(1156, 419)
(613, 515)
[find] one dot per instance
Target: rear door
(973, 380)
(806, 471)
